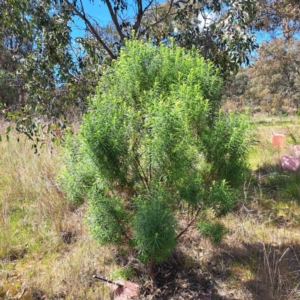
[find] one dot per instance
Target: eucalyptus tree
(279, 17)
(220, 30)
(39, 40)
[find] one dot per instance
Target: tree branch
(161, 19)
(142, 175)
(140, 15)
(188, 226)
(91, 29)
(115, 19)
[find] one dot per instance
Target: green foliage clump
(79, 172)
(221, 197)
(124, 273)
(108, 219)
(152, 141)
(154, 228)
(214, 231)
(227, 145)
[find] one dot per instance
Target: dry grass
(46, 251)
(29, 198)
(45, 248)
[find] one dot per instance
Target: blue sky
(97, 10)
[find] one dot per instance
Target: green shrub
(214, 231)
(152, 141)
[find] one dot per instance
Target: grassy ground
(46, 251)
(44, 245)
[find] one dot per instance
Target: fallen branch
(106, 280)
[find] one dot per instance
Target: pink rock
(128, 290)
(290, 163)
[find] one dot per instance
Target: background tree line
(271, 85)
